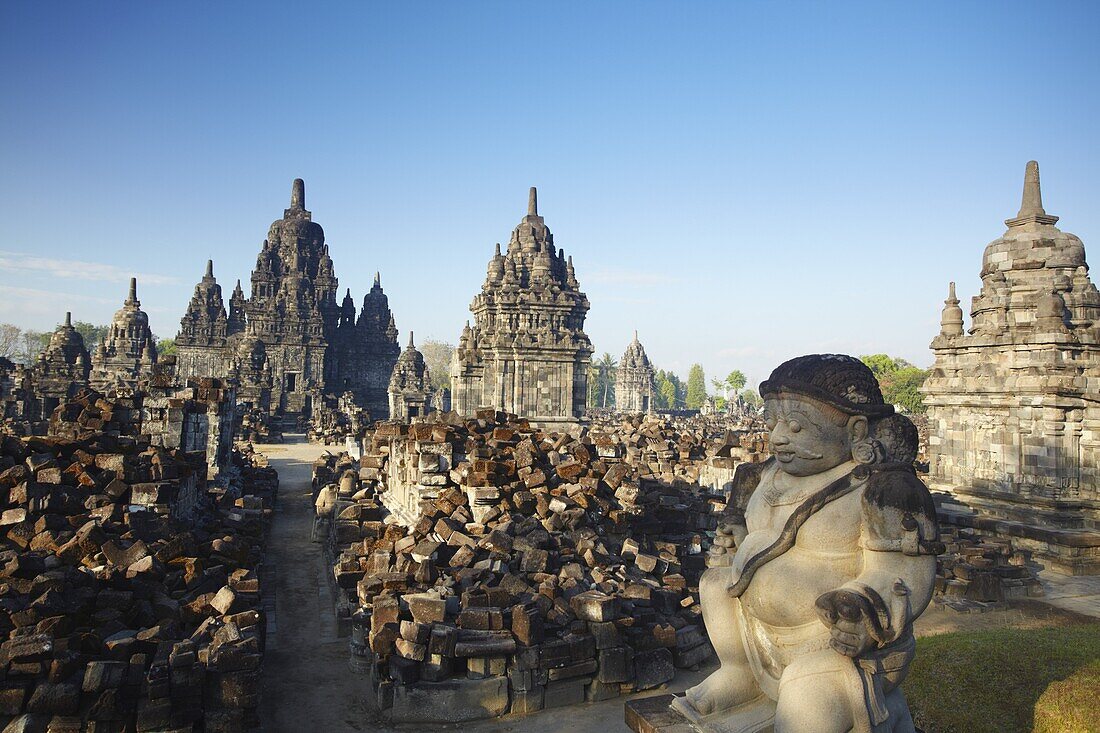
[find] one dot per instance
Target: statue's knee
(814, 695)
(713, 583)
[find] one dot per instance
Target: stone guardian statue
(813, 586)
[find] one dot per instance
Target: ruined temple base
(1065, 550)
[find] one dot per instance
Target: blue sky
(741, 182)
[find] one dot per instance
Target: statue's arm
(732, 525)
(900, 539)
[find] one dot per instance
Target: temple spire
(1031, 204)
(533, 202)
(68, 319)
(133, 291)
(377, 279)
(411, 345)
(298, 194)
(210, 268)
(951, 318)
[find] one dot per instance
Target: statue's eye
(794, 426)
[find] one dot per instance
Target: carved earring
(866, 451)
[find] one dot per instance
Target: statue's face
(808, 436)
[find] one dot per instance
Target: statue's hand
(845, 613)
(721, 552)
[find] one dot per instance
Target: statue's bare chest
(834, 528)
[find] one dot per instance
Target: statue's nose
(778, 438)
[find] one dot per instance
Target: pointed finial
(1031, 204)
(68, 319)
(348, 294)
(133, 290)
(533, 202)
(497, 253)
(411, 340)
(298, 194)
(210, 268)
(635, 335)
(951, 318)
(377, 279)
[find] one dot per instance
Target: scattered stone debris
(976, 573)
(487, 566)
(129, 587)
(333, 421)
(257, 426)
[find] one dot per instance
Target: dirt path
(307, 684)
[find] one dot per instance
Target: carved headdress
(846, 383)
(842, 381)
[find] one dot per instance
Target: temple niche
(634, 380)
(128, 353)
(290, 342)
(1014, 417)
(527, 352)
(410, 389)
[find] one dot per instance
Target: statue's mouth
(786, 456)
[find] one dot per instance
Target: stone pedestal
(653, 715)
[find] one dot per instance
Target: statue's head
(825, 409)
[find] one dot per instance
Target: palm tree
(607, 364)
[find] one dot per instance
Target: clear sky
(741, 182)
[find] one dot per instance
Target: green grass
(973, 682)
(1070, 706)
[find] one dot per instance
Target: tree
(166, 347)
(93, 335)
(883, 364)
(735, 381)
(899, 380)
(11, 338)
(696, 387)
(668, 395)
(606, 366)
(751, 398)
(593, 385)
(437, 356)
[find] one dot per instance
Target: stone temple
(634, 380)
(1014, 403)
(410, 385)
(527, 352)
(128, 352)
(62, 369)
(291, 342)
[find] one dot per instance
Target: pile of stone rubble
(491, 567)
(256, 426)
(976, 572)
(129, 588)
(334, 423)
